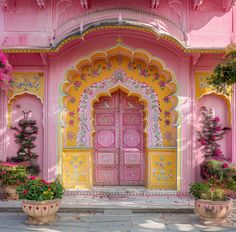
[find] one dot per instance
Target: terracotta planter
(213, 212)
(11, 192)
(40, 212)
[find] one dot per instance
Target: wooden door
(118, 158)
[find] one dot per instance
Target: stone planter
(10, 190)
(40, 212)
(213, 212)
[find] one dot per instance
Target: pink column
(233, 108)
(3, 126)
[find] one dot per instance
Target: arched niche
(25, 102)
(221, 106)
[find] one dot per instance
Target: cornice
(141, 28)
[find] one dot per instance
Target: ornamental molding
(197, 4)
(81, 38)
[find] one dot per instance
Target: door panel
(119, 141)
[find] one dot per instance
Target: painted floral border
(119, 78)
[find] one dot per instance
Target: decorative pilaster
(3, 126)
(233, 110)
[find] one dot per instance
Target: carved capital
(177, 7)
(195, 59)
(84, 4)
(4, 5)
(155, 4)
(41, 4)
(197, 4)
(227, 4)
(44, 58)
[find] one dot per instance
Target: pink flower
(72, 114)
(213, 137)
(225, 165)
(45, 182)
(218, 152)
(77, 84)
(25, 192)
(3, 58)
(33, 177)
(71, 122)
(216, 119)
(217, 129)
(202, 141)
(7, 164)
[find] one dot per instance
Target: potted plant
(41, 200)
(12, 175)
(212, 205)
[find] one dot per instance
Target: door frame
(141, 101)
(119, 150)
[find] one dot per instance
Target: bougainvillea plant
(211, 132)
(38, 189)
(219, 173)
(224, 74)
(5, 73)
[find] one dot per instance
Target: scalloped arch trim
(100, 73)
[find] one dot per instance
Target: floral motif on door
(119, 143)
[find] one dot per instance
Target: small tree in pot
(41, 200)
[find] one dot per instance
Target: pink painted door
(118, 158)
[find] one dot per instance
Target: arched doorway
(139, 74)
(119, 141)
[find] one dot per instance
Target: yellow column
(77, 168)
(161, 164)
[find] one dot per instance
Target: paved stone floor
(112, 221)
(117, 202)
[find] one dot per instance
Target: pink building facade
(116, 88)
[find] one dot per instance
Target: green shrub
(197, 189)
(203, 191)
(214, 195)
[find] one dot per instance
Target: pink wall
(26, 102)
(26, 24)
(175, 61)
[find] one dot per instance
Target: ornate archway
(139, 74)
(119, 80)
